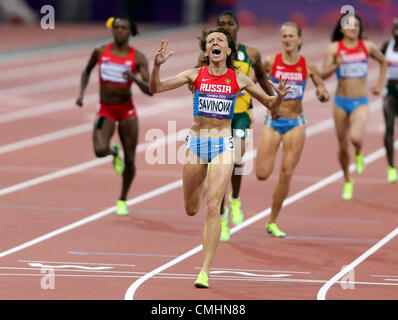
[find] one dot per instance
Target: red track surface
(325, 232)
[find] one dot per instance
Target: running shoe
(122, 209)
(236, 210)
(225, 234)
(359, 163)
(273, 229)
(348, 190)
(392, 174)
(202, 281)
(118, 164)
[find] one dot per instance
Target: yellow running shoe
(236, 210)
(348, 190)
(359, 163)
(273, 229)
(122, 209)
(392, 174)
(202, 281)
(118, 164)
(225, 234)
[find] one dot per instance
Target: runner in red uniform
(289, 128)
(216, 85)
(347, 55)
(118, 67)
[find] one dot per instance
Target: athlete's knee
(343, 148)
(263, 172)
(287, 171)
(191, 209)
(356, 140)
(213, 207)
(101, 151)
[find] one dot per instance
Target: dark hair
(231, 44)
(227, 13)
(295, 25)
(133, 26)
(338, 34)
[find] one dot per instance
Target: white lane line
(41, 265)
(255, 270)
(250, 274)
(96, 216)
(322, 292)
(47, 108)
(147, 112)
(299, 195)
(80, 263)
(84, 166)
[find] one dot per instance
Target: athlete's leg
(293, 142)
(342, 126)
(390, 106)
(194, 182)
(218, 178)
(104, 129)
(267, 148)
(236, 178)
(357, 127)
(128, 133)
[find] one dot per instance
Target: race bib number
(354, 70)
(214, 104)
(113, 72)
(296, 93)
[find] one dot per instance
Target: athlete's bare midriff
(290, 108)
(205, 127)
(352, 88)
(113, 94)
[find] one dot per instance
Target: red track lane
(325, 233)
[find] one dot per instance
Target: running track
(57, 201)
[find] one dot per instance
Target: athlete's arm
(86, 73)
(271, 102)
(379, 57)
(261, 76)
(142, 68)
(384, 46)
(332, 62)
(321, 92)
(268, 63)
(156, 85)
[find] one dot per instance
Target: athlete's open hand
(281, 89)
(161, 56)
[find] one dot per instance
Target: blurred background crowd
(375, 13)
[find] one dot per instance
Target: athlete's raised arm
(156, 85)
